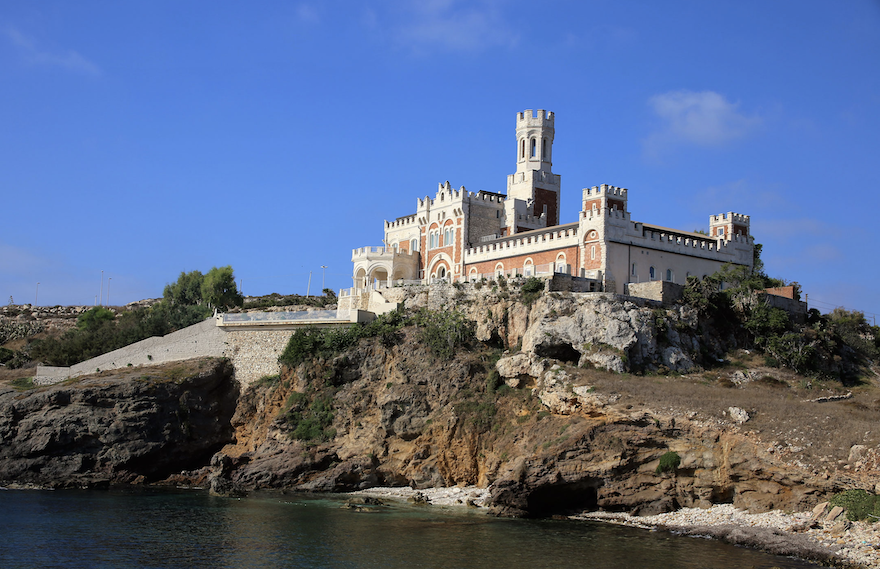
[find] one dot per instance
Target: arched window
(652, 273)
(534, 148)
(668, 274)
(544, 150)
(593, 253)
(634, 270)
(414, 245)
(522, 152)
(499, 270)
(441, 272)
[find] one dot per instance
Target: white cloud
(33, 54)
(703, 119)
(451, 25)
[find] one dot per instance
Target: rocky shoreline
(837, 543)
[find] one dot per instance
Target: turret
(726, 225)
(534, 139)
(534, 183)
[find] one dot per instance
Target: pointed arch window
(534, 147)
(668, 274)
(652, 273)
(544, 150)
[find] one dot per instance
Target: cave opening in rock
(563, 498)
(562, 352)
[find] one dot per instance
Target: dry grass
(818, 434)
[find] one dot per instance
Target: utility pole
(37, 294)
(323, 272)
(309, 286)
(101, 295)
(108, 290)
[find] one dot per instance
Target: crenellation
(458, 232)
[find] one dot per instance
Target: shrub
(859, 505)
(531, 290)
(310, 422)
(493, 381)
(478, 414)
(22, 383)
(442, 332)
(668, 462)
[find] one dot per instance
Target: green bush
(22, 383)
(493, 381)
(531, 290)
(476, 413)
(668, 462)
(859, 505)
(6, 355)
(443, 332)
(312, 421)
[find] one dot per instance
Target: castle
(459, 235)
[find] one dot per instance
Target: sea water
(151, 528)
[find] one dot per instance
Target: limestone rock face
(118, 428)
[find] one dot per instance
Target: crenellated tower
(727, 225)
(534, 183)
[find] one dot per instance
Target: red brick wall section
(592, 263)
(548, 198)
(786, 291)
(434, 252)
(517, 262)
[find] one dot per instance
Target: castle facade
(459, 235)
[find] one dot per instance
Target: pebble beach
(837, 543)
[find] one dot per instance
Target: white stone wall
(254, 353)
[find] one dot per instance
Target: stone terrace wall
(254, 353)
(662, 291)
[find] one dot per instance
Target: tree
(187, 291)
(94, 318)
(219, 290)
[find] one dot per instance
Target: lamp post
(101, 295)
(37, 294)
(108, 290)
(323, 272)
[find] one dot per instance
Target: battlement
(605, 189)
(533, 241)
(729, 217)
(541, 118)
(487, 196)
(533, 176)
(404, 221)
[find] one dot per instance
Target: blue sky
(145, 139)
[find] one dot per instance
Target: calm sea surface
(153, 528)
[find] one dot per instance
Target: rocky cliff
(539, 407)
(137, 426)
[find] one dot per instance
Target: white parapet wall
(253, 345)
(204, 339)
